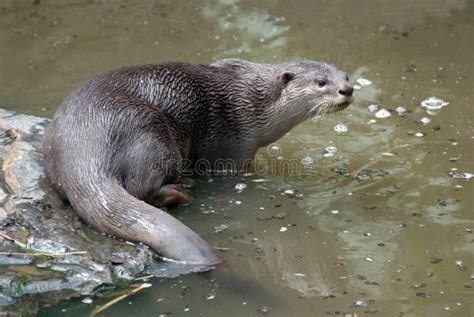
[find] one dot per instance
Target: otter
(115, 147)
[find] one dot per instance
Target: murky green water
(397, 242)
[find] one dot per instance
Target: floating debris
(330, 151)
(207, 211)
(419, 134)
(263, 309)
(382, 113)
(260, 180)
(300, 274)
(369, 259)
(463, 176)
(357, 87)
(434, 103)
(362, 176)
(342, 170)
(341, 128)
(334, 212)
(220, 228)
(307, 160)
(373, 108)
(388, 154)
(364, 82)
(459, 263)
(99, 309)
(425, 120)
(283, 229)
(240, 187)
(280, 215)
(211, 295)
(418, 285)
(401, 110)
(87, 300)
(360, 303)
(361, 277)
(289, 192)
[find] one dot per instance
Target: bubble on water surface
(382, 113)
(307, 160)
(330, 151)
(401, 110)
(373, 108)
(240, 187)
(340, 128)
(425, 120)
(434, 103)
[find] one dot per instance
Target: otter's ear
(286, 76)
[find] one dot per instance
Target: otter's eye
(347, 78)
(321, 83)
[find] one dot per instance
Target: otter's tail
(106, 205)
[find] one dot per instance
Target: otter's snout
(346, 90)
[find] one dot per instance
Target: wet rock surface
(64, 257)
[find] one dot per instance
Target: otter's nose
(347, 90)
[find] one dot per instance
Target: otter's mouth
(338, 106)
(331, 108)
(342, 105)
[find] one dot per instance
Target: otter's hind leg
(152, 167)
(169, 195)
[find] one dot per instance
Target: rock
(32, 213)
(6, 300)
(16, 260)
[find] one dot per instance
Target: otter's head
(311, 88)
